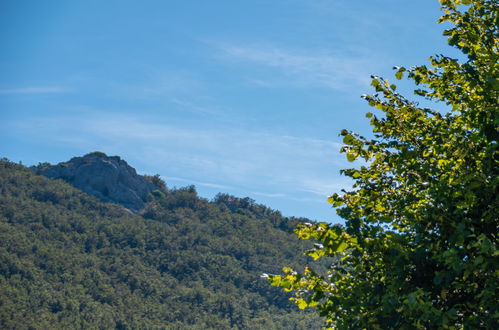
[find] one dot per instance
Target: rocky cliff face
(109, 178)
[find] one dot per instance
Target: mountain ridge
(109, 178)
(67, 260)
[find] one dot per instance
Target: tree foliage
(68, 261)
(419, 245)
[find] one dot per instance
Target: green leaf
(302, 304)
(356, 175)
(351, 156)
(348, 139)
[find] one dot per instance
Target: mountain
(69, 260)
(111, 179)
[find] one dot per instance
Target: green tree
(419, 245)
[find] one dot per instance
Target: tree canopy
(419, 244)
(68, 261)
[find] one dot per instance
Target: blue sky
(242, 97)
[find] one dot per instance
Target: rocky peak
(109, 178)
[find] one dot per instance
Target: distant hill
(70, 261)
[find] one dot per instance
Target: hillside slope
(67, 260)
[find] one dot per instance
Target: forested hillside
(68, 260)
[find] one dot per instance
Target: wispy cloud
(272, 195)
(35, 90)
(334, 70)
(195, 108)
(155, 84)
(200, 183)
(224, 158)
(324, 187)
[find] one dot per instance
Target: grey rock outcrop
(109, 178)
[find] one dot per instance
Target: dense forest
(68, 260)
